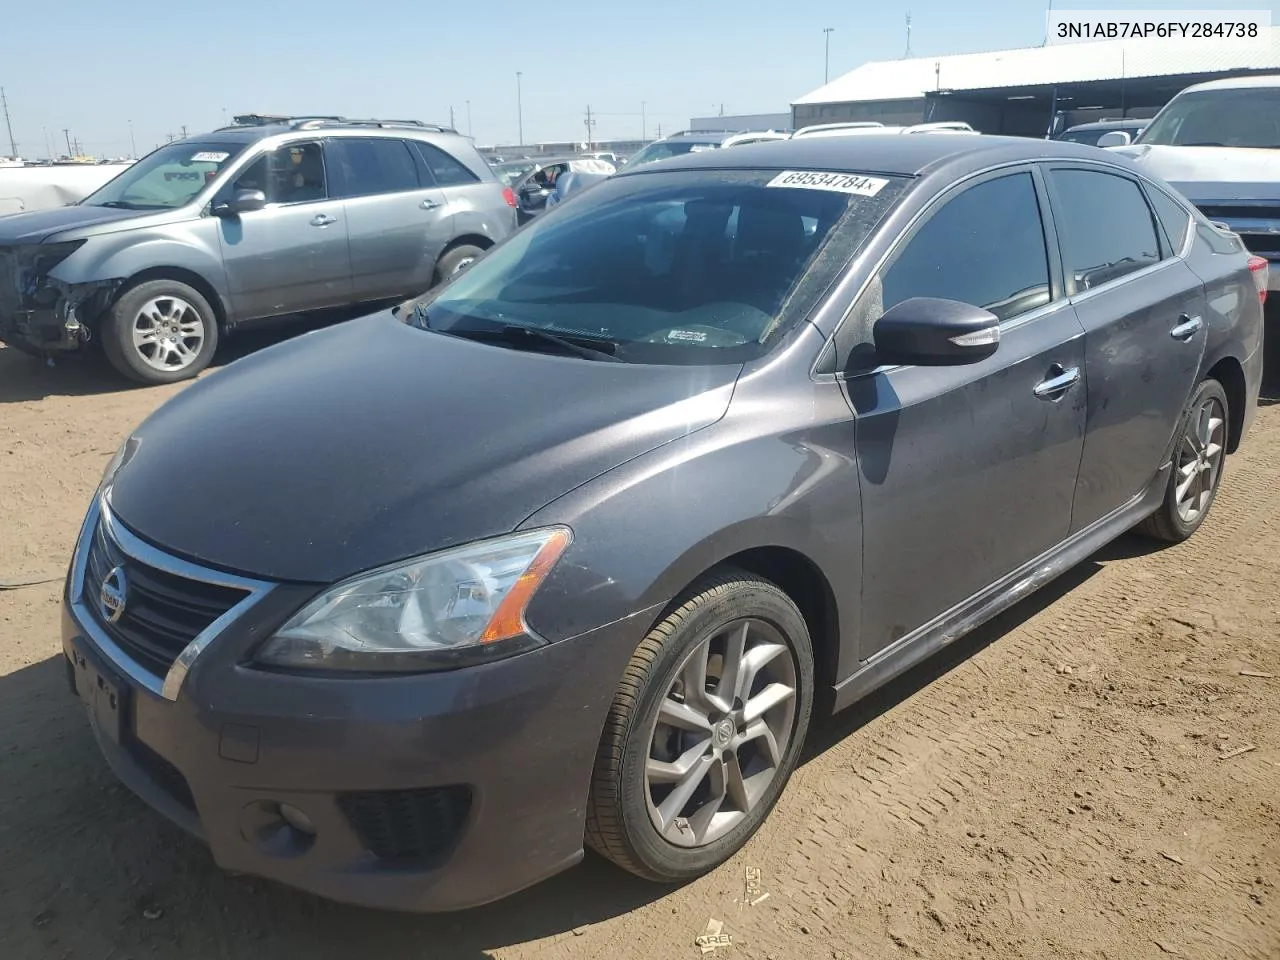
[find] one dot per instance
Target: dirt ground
(1096, 774)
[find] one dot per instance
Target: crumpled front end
(39, 313)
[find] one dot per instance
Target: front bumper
(480, 773)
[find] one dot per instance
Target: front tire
(1199, 459)
(160, 331)
(457, 260)
(705, 730)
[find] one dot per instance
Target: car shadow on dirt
(25, 378)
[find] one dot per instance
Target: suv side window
(1172, 215)
(371, 166)
(984, 247)
(1105, 227)
(289, 174)
(446, 171)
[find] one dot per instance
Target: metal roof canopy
(1043, 67)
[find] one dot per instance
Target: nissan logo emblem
(113, 594)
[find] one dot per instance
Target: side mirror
(1115, 138)
(935, 333)
(244, 201)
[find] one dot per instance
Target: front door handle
(429, 204)
(1187, 329)
(1060, 380)
(322, 220)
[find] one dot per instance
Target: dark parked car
(266, 217)
(403, 611)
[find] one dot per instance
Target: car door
(397, 218)
(967, 472)
(1143, 311)
(291, 255)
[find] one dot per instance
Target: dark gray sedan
(572, 549)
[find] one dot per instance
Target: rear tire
(456, 260)
(1199, 461)
(740, 758)
(160, 331)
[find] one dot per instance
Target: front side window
(1246, 117)
(166, 178)
(984, 247)
(372, 166)
(686, 267)
(1104, 225)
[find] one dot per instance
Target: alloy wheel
(168, 333)
(1200, 459)
(721, 731)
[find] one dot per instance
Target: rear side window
(373, 166)
(1106, 228)
(1173, 217)
(985, 247)
(446, 171)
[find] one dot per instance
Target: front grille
(162, 612)
(408, 825)
(1262, 243)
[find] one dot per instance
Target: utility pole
(907, 55)
(519, 108)
(469, 118)
(826, 72)
(451, 123)
(642, 123)
(590, 124)
(13, 145)
(184, 131)
(133, 146)
(67, 134)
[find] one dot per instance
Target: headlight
(457, 607)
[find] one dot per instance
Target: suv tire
(456, 260)
(160, 331)
(645, 812)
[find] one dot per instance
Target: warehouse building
(1030, 91)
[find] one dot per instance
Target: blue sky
(93, 67)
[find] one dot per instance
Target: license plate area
(103, 693)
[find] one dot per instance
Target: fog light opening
(297, 819)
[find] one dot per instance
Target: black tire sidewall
(750, 598)
(1177, 525)
(117, 338)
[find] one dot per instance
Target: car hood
(38, 225)
(1210, 173)
(372, 441)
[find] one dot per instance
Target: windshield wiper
(116, 205)
(515, 334)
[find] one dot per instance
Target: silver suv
(270, 216)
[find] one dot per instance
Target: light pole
(519, 108)
(468, 118)
(826, 72)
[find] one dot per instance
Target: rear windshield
(1247, 117)
(166, 178)
(695, 267)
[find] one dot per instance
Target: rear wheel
(704, 732)
(457, 260)
(161, 331)
(1198, 462)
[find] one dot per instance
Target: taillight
(509, 195)
(1260, 269)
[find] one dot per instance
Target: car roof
(874, 153)
(1236, 83)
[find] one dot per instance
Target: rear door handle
(1061, 380)
(322, 220)
(429, 204)
(1187, 329)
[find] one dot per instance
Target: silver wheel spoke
(760, 731)
(671, 807)
(664, 771)
(683, 717)
(735, 785)
(729, 687)
(1187, 476)
(759, 657)
(764, 701)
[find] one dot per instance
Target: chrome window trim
(171, 685)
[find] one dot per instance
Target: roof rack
(312, 121)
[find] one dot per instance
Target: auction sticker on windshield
(839, 182)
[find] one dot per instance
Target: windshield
(166, 178)
(687, 267)
(1246, 117)
(662, 149)
(513, 171)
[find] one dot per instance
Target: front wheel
(704, 731)
(161, 331)
(1199, 459)
(457, 260)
